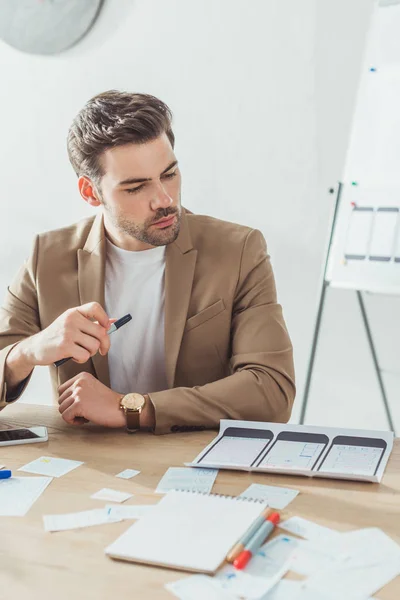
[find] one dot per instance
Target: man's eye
(169, 175)
(134, 190)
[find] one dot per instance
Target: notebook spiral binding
(226, 496)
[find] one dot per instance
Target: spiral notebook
(187, 531)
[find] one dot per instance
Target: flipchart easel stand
(317, 328)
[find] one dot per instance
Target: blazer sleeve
(261, 386)
(19, 319)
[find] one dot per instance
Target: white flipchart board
(365, 249)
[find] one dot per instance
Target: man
(207, 339)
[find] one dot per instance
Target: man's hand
(84, 397)
(73, 334)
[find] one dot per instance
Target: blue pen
(5, 474)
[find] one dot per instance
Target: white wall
(262, 93)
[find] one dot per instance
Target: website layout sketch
(373, 234)
(299, 450)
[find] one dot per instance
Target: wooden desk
(72, 565)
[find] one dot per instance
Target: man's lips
(165, 222)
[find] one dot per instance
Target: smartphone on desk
(354, 455)
(237, 447)
(294, 450)
(28, 435)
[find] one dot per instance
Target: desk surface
(39, 565)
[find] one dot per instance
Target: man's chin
(163, 237)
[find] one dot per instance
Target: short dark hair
(113, 119)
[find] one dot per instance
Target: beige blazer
(228, 353)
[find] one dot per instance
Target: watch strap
(132, 420)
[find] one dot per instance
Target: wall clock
(46, 26)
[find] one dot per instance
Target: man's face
(141, 185)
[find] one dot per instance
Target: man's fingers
(79, 354)
(98, 332)
(94, 311)
(64, 386)
(88, 343)
(69, 415)
(66, 403)
(92, 328)
(65, 395)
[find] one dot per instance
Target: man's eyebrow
(141, 180)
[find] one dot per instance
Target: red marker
(257, 540)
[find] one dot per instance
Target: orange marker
(246, 537)
(257, 540)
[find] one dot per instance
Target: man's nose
(161, 198)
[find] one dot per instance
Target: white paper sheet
(295, 590)
(17, 494)
(308, 529)
(359, 233)
(48, 465)
(129, 511)
(127, 474)
(198, 587)
(354, 564)
(309, 558)
(285, 590)
(111, 495)
(2, 466)
(273, 556)
(364, 547)
(240, 583)
(77, 520)
(276, 497)
(354, 582)
(193, 480)
(383, 234)
(359, 548)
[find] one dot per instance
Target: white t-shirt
(134, 283)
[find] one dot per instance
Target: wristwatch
(132, 405)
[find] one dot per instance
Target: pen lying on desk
(122, 321)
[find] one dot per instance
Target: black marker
(114, 327)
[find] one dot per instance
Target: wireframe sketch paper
(78, 520)
(128, 511)
(180, 478)
(298, 449)
(274, 496)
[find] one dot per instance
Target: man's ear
(87, 191)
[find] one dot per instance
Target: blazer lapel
(91, 267)
(179, 271)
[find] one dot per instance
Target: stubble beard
(144, 232)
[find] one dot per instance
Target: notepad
(187, 531)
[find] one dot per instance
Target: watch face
(133, 401)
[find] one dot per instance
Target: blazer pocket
(205, 315)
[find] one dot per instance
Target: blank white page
(383, 234)
(397, 243)
(17, 494)
(187, 531)
(359, 233)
